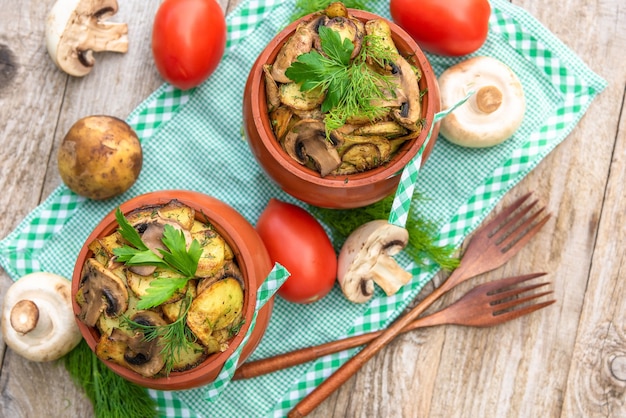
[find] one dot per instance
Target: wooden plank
(597, 378)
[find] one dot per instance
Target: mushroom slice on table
(367, 258)
(100, 292)
(75, 29)
(307, 140)
(37, 317)
(492, 114)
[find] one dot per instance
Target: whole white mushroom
(492, 114)
(37, 317)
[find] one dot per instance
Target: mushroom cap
(37, 317)
(492, 114)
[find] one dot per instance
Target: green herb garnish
(351, 86)
(111, 395)
(174, 338)
(422, 232)
(305, 7)
(176, 258)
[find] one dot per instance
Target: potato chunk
(215, 309)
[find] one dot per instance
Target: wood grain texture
(568, 360)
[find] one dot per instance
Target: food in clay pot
(164, 291)
(340, 96)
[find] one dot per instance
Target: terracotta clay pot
(345, 191)
(252, 259)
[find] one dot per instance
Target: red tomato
(295, 239)
(188, 40)
(444, 27)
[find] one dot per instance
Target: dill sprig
(352, 87)
(422, 231)
(111, 395)
(174, 338)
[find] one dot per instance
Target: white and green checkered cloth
(194, 141)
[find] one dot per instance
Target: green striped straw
(274, 280)
(404, 194)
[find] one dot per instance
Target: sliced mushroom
(299, 43)
(37, 318)
(272, 93)
(387, 129)
(366, 258)
(141, 354)
(492, 114)
(381, 145)
(75, 29)
(307, 140)
(410, 111)
(101, 292)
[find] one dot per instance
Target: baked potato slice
(213, 252)
(179, 213)
(139, 284)
(215, 309)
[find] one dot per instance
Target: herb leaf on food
(176, 257)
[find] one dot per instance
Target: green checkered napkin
(199, 147)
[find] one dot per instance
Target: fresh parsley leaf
(160, 290)
(127, 231)
(183, 260)
(132, 256)
(175, 257)
(336, 49)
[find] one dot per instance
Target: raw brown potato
(100, 157)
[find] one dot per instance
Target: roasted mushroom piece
(101, 291)
(300, 43)
(307, 141)
(142, 355)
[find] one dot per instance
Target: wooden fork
(485, 305)
(490, 246)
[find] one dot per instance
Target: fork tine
(499, 296)
(505, 213)
(504, 306)
(510, 228)
(509, 281)
(519, 231)
(523, 240)
(509, 315)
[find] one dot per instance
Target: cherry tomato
(188, 40)
(296, 240)
(450, 27)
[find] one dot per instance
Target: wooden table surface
(568, 360)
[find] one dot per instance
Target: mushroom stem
(487, 99)
(106, 36)
(25, 318)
